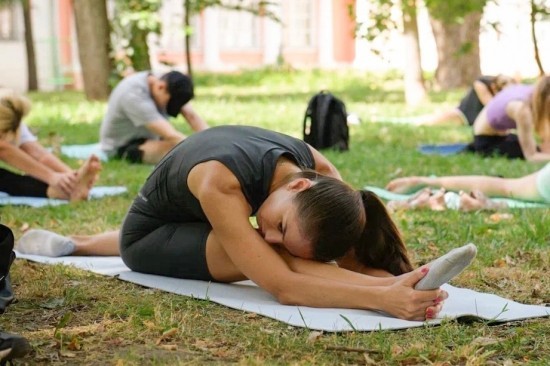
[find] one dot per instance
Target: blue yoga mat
(84, 151)
(512, 203)
(442, 149)
(95, 193)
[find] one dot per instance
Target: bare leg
(154, 151)
(450, 116)
(101, 244)
(220, 266)
(50, 244)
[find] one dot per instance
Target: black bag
(325, 122)
(7, 255)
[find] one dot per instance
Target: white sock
(45, 243)
(446, 267)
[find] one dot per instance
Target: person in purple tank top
(524, 108)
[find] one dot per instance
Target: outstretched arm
(483, 92)
(521, 113)
(19, 159)
(323, 165)
(193, 118)
(43, 156)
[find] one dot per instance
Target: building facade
(310, 34)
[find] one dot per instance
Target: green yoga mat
(512, 203)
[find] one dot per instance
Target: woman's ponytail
(381, 245)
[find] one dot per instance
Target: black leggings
(21, 185)
(151, 245)
(507, 146)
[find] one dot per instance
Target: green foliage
(453, 11)
(132, 22)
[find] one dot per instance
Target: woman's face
(279, 224)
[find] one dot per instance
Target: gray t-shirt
(130, 108)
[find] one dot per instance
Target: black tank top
(251, 153)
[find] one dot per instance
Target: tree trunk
(415, 91)
(92, 30)
(32, 82)
(457, 51)
(138, 42)
(534, 37)
(187, 25)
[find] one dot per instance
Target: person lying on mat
(480, 93)
(473, 191)
(525, 108)
(191, 220)
(136, 126)
(45, 175)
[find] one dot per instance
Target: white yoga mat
(246, 296)
(84, 151)
(95, 193)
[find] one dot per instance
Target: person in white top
(45, 174)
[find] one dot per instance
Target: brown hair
(540, 102)
(338, 218)
(12, 110)
(331, 215)
(381, 245)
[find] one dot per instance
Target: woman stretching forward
(191, 220)
(47, 176)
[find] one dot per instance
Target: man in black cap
(136, 126)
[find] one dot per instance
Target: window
(238, 29)
(299, 24)
(8, 22)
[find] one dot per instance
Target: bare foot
(437, 201)
(418, 200)
(86, 177)
(469, 202)
(404, 185)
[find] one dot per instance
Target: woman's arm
(43, 156)
(323, 165)
(482, 92)
(17, 158)
(521, 113)
(212, 184)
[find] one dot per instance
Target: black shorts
(131, 151)
(150, 245)
(507, 146)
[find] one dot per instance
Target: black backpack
(325, 122)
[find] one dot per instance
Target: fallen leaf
(498, 217)
(74, 345)
(67, 354)
(167, 335)
(24, 227)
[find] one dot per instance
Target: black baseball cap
(181, 91)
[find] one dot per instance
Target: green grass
(102, 320)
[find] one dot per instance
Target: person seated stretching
(473, 191)
(191, 220)
(136, 126)
(46, 175)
